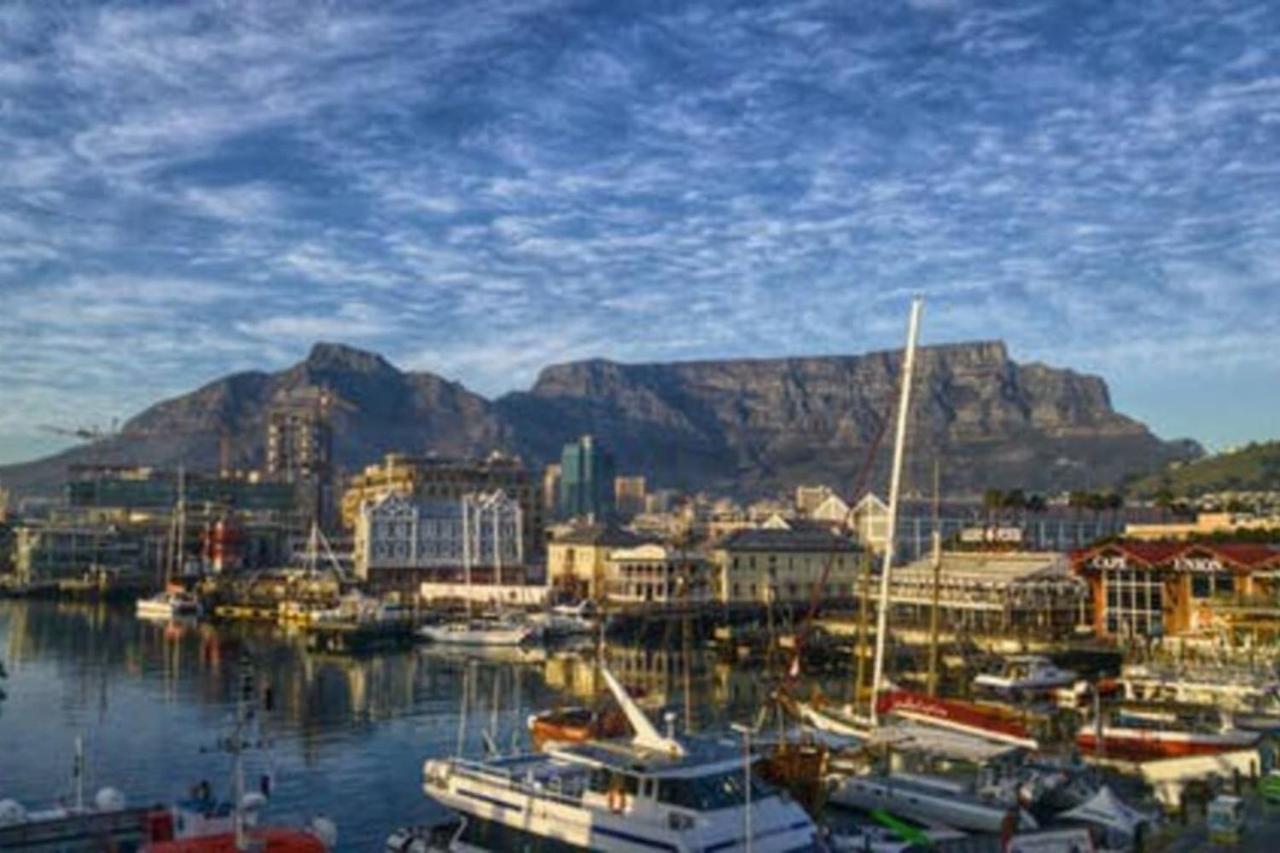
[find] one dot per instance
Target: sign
(1197, 564)
(1105, 562)
(1005, 535)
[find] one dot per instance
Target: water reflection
(347, 734)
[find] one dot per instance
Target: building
(809, 498)
(53, 551)
(576, 559)
(432, 478)
(1150, 590)
(781, 563)
(586, 480)
(657, 575)
(551, 489)
(1204, 524)
(139, 489)
(629, 495)
(993, 593)
(401, 542)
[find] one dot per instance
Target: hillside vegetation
(1255, 467)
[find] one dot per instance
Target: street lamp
(746, 732)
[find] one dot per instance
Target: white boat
(927, 799)
(653, 792)
(565, 620)
(1023, 674)
(477, 632)
(172, 603)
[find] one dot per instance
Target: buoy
(109, 800)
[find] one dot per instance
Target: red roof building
(1158, 589)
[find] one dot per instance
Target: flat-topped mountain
(744, 426)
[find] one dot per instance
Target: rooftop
(799, 539)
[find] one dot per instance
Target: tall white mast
(895, 482)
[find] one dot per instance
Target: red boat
(1138, 743)
(576, 725)
(979, 719)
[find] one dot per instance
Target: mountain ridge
(742, 426)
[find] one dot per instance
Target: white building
(405, 540)
(657, 574)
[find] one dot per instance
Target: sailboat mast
(895, 482)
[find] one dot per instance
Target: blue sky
(480, 189)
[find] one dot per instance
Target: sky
(483, 188)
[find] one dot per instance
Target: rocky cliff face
(760, 425)
(742, 426)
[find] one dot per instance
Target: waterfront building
(401, 542)
(629, 495)
(657, 574)
(576, 558)
(780, 564)
(1150, 590)
(586, 480)
(991, 593)
(52, 551)
(433, 478)
(144, 490)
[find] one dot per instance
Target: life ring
(617, 800)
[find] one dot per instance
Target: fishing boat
(651, 792)
(1156, 735)
(1023, 675)
(990, 722)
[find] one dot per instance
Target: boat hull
(917, 802)
(474, 637)
(965, 717)
(1153, 744)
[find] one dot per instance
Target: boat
(928, 799)
(575, 725)
(202, 823)
(443, 835)
(174, 602)
(983, 720)
(650, 792)
(1252, 698)
(478, 631)
(890, 835)
(565, 621)
(1023, 675)
(1151, 736)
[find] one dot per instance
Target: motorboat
(173, 602)
(575, 725)
(204, 824)
(650, 792)
(478, 632)
(442, 835)
(565, 620)
(1022, 675)
(928, 799)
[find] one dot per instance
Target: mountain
(1255, 467)
(754, 426)
(744, 426)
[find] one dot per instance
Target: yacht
(478, 632)
(174, 602)
(929, 799)
(1150, 735)
(651, 792)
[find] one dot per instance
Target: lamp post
(746, 733)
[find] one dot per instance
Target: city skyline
(480, 190)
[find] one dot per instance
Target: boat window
(707, 793)
(599, 781)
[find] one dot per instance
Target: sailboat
(493, 630)
(174, 601)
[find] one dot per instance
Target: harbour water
(346, 736)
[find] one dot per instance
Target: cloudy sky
(481, 188)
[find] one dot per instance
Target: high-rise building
(628, 495)
(299, 443)
(586, 480)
